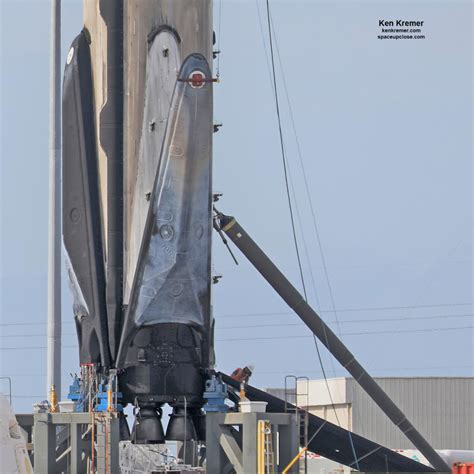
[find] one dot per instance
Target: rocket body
(137, 177)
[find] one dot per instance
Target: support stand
(232, 438)
(63, 442)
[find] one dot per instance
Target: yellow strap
(229, 225)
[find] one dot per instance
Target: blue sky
(385, 132)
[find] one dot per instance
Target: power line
(39, 397)
(308, 371)
(24, 375)
(272, 325)
(22, 348)
(33, 335)
(32, 323)
(346, 310)
(365, 333)
(291, 371)
(372, 369)
(267, 326)
(283, 313)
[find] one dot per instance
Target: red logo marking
(197, 79)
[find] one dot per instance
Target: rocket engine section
(137, 204)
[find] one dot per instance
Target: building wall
(441, 408)
(340, 414)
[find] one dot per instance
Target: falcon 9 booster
(137, 203)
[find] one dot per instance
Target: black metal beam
(321, 330)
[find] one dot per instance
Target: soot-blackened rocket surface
(137, 213)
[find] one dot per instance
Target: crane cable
(283, 154)
(285, 172)
(316, 230)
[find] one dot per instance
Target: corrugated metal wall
(442, 409)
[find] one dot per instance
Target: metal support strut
(318, 327)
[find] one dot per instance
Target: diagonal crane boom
(321, 330)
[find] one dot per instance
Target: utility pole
(53, 375)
